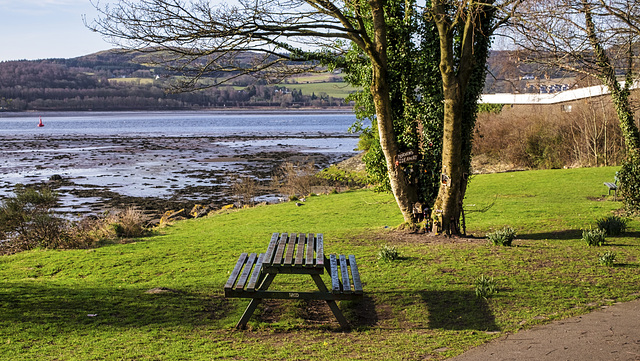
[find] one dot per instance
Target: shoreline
(156, 173)
(256, 110)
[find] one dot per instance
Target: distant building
(561, 94)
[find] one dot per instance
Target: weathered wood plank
(282, 244)
(302, 241)
(311, 247)
(246, 271)
(291, 246)
(236, 271)
(346, 283)
(355, 275)
(320, 250)
(335, 278)
(268, 257)
(251, 286)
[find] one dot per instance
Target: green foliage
(337, 177)
(388, 253)
(594, 237)
(490, 108)
(629, 177)
(542, 148)
(502, 237)
(485, 287)
(27, 219)
(612, 225)
(607, 259)
(416, 95)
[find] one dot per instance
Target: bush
(629, 176)
(129, 223)
(485, 287)
(28, 221)
(612, 225)
(502, 237)
(595, 237)
(607, 259)
(388, 253)
(296, 179)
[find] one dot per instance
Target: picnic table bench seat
(293, 253)
(345, 280)
(612, 187)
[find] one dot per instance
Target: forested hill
(113, 80)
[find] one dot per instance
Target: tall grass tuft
(612, 225)
(594, 237)
(485, 287)
(502, 237)
(607, 259)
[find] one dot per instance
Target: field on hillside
(161, 298)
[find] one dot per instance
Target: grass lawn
(160, 298)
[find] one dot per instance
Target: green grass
(92, 305)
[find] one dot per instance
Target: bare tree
(199, 39)
(598, 39)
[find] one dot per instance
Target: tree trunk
(403, 192)
(619, 96)
(448, 205)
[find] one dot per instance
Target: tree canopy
(401, 50)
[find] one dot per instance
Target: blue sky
(41, 29)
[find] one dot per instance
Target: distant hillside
(113, 80)
(116, 80)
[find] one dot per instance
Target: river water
(178, 156)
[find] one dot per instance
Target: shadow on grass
(448, 310)
(27, 306)
(75, 307)
(573, 234)
(458, 310)
(559, 235)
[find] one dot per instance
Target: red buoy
(40, 124)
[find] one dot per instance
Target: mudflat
(159, 173)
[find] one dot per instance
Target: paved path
(609, 334)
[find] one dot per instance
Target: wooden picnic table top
(294, 253)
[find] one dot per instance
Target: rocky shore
(96, 173)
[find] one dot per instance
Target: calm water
(218, 123)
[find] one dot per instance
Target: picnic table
(299, 254)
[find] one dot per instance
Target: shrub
(595, 237)
(244, 188)
(607, 259)
(485, 287)
(341, 178)
(28, 221)
(388, 253)
(502, 237)
(629, 176)
(612, 225)
(296, 179)
(130, 223)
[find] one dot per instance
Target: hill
(115, 80)
(118, 80)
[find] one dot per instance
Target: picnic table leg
(254, 302)
(242, 324)
(332, 303)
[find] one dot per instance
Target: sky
(43, 29)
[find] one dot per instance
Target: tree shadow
(77, 307)
(458, 310)
(558, 235)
